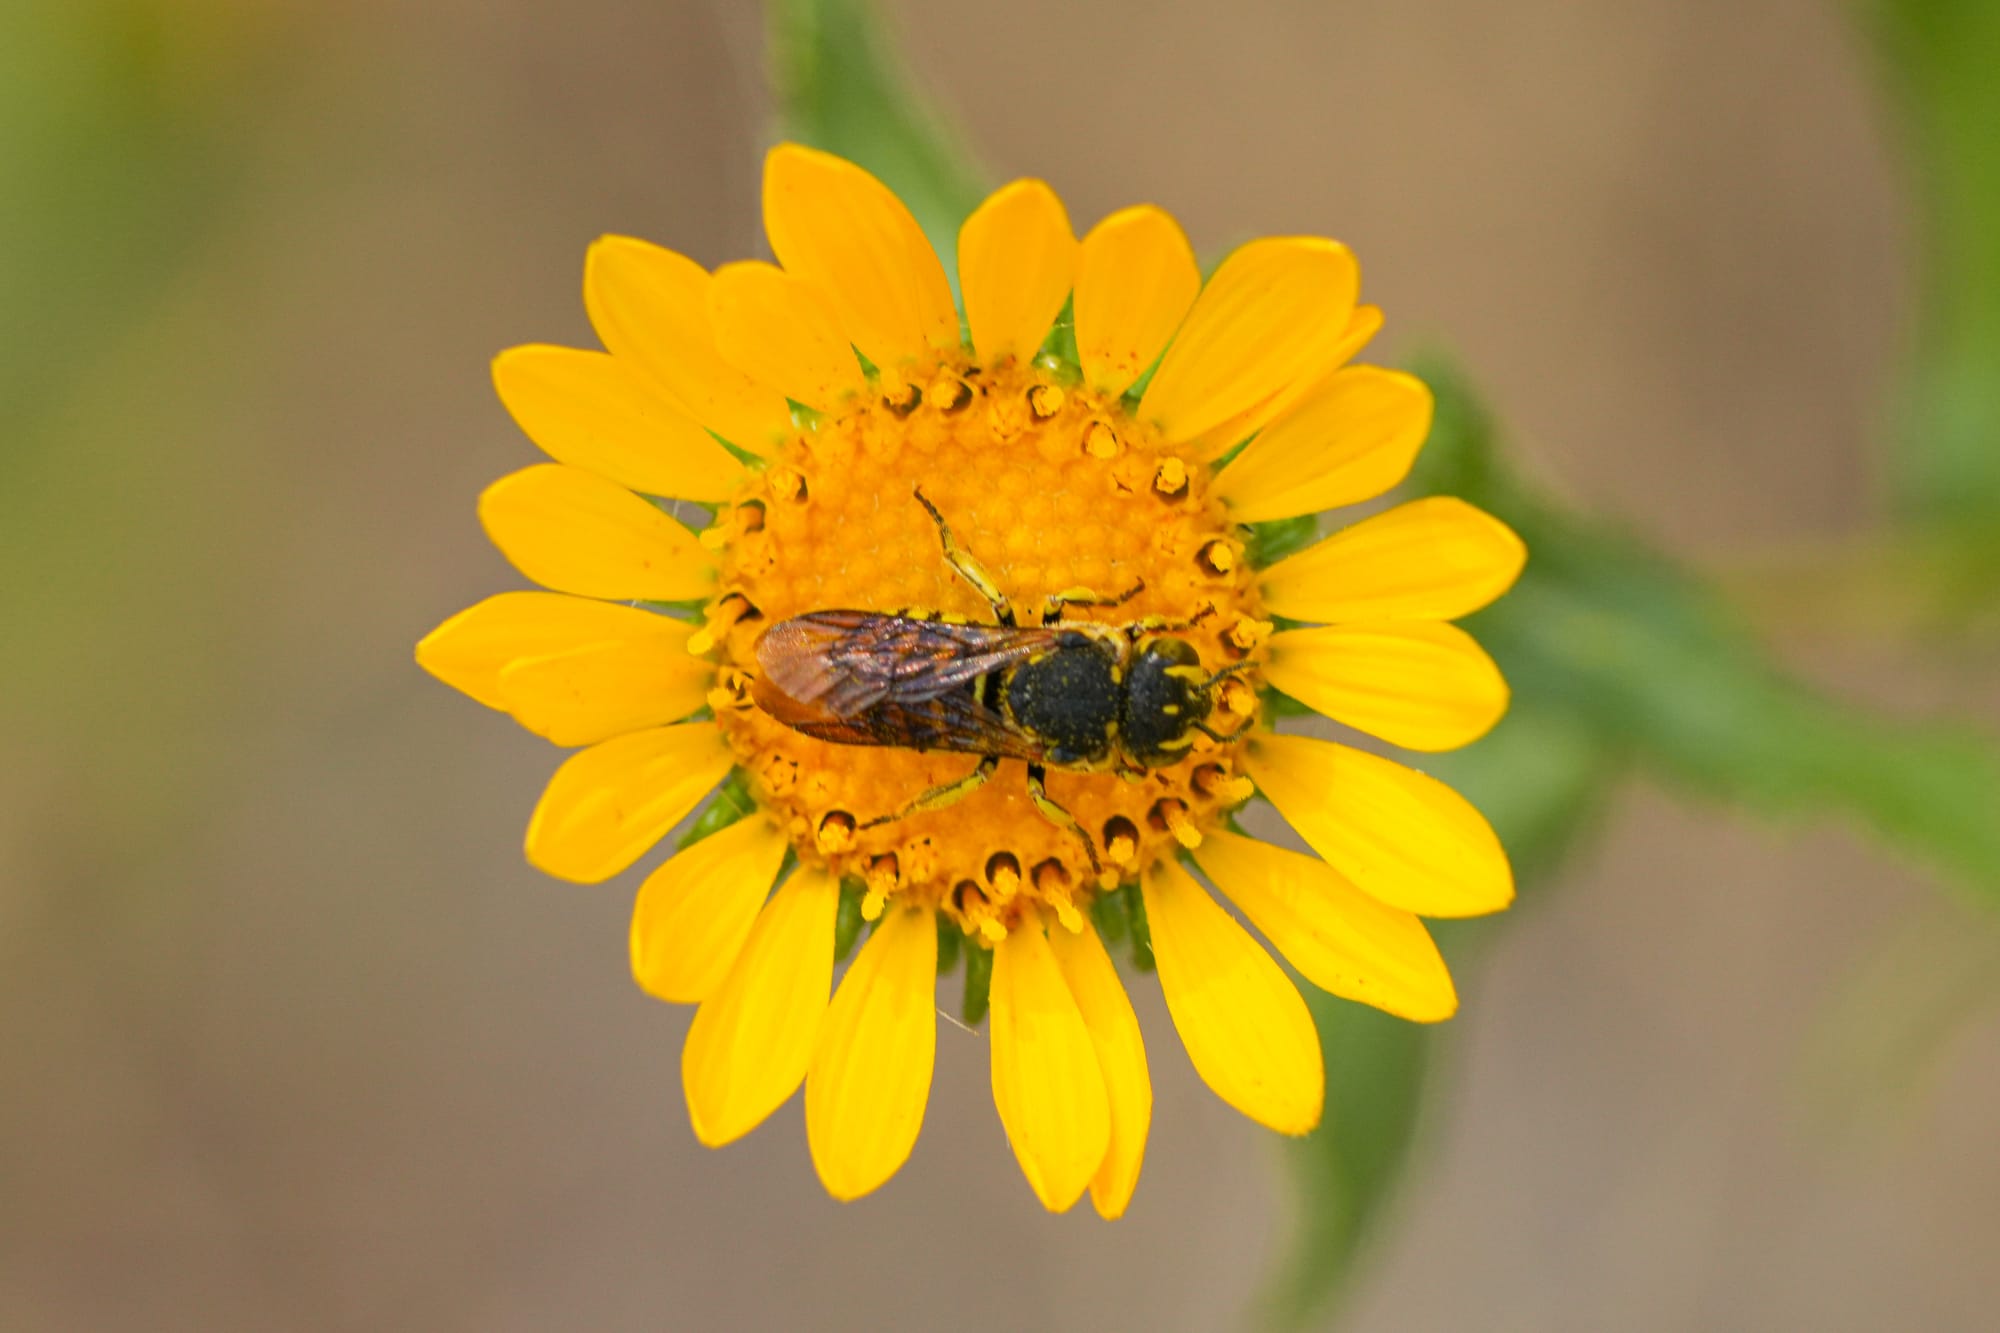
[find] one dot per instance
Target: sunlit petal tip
(607, 805)
(649, 305)
(1421, 684)
(1136, 276)
(1047, 1084)
(1437, 558)
(1121, 1057)
(590, 410)
(600, 690)
(1400, 836)
(870, 1075)
(1362, 327)
(604, 256)
(1218, 440)
(1351, 439)
(569, 668)
(1340, 939)
(694, 913)
(1016, 261)
(1273, 317)
(752, 1040)
(469, 649)
(836, 226)
(1245, 1026)
(783, 333)
(573, 531)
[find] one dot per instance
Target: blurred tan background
(291, 1037)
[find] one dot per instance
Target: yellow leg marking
(937, 798)
(1162, 625)
(1052, 607)
(1061, 818)
(968, 567)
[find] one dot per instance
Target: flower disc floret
(1056, 489)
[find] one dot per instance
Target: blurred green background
(290, 1036)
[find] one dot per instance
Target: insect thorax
(1069, 698)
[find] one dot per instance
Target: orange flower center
(1051, 488)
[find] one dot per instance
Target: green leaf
(1141, 928)
(978, 982)
(1111, 914)
(951, 940)
(847, 920)
(1619, 659)
(1347, 1170)
(1539, 778)
(1645, 658)
(1272, 541)
(1059, 347)
(732, 801)
(841, 88)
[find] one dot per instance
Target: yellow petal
(1364, 324)
(1121, 1058)
(607, 805)
(1016, 259)
(1339, 938)
(694, 913)
(1420, 684)
(1245, 1026)
(779, 331)
(1401, 836)
(871, 1071)
(1431, 559)
(1272, 316)
(748, 1047)
(650, 306)
(574, 531)
(1136, 276)
(1352, 439)
(1047, 1083)
(469, 651)
(606, 687)
(837, 227)
(592, 411)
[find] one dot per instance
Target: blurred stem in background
(839, 83)
(1621, 660)
(1934, 572)
(1941, 55)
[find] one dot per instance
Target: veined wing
(843, 663)
(955, 721)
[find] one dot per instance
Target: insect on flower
(1118, 633)
(1081, 695)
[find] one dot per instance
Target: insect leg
(1239, 669)
(1225, 736)
(1211, 683)
(1061, 818)
(937, 798)
(968, 566)
(1162, 625)
(1052, 606)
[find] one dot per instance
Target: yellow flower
(843, 382)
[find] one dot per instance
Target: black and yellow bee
(1081, 695)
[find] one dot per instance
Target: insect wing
(842, 663)
(956, 722)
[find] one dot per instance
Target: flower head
(862, 450)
